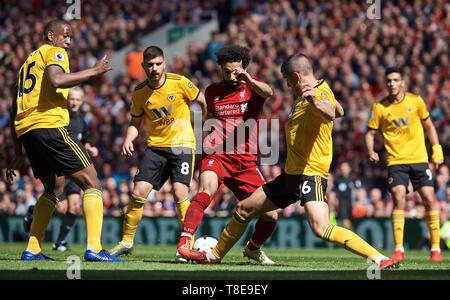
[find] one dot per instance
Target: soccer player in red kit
(230, 150)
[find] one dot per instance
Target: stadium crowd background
(349, 50)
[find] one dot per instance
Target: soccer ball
(205, 243)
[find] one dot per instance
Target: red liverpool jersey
(234, 128)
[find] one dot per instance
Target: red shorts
(241, 177)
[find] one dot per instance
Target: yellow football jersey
(308, 136)
(402, 128)
(39, 105)
(166, 111)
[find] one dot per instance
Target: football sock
(263, 231)
(349, 241)
(194, 216)
(182, 207)
(133, 216)
(432, 221)
(93, 217)
(42, 214)
(66, 226)
(398, 224)
(231, 234)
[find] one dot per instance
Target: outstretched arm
(59, 79)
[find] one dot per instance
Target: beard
(231, 83)
(155, 76)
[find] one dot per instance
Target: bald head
(298, 63)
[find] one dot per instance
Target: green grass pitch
(157, 263)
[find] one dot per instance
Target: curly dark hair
(233, 53)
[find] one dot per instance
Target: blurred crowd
(349, 50)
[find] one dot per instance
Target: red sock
(194, 215)
(263, 231)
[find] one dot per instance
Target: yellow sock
(132, 218)
(432, 220)
(42, 214)
(349, 241)
(182, 207)
(231, 234)
(93, 217)
(398, 225)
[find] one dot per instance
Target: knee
(429, 202)
(271, 216)
(180, 193)
(245, 211)
(399, 200)
(87, 179)
(93, 183)
(87, 182)
(318, 228)
(208, 188)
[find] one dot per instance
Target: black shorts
(161, 163)
(287, 189)
(54, 151)
(419, 174)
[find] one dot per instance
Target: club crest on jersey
(59, 56)
(242, 95)
(171, 97)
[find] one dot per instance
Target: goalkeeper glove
(438, 154)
